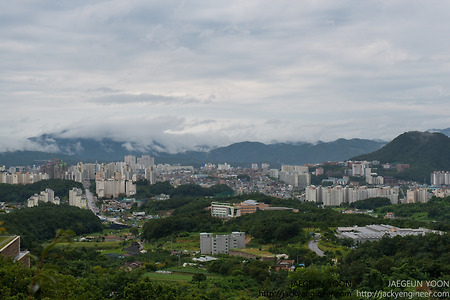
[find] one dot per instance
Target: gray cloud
(104, 90)
(209, 73)
(143, 98)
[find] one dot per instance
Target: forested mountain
(83, 149)
(283, 153)
(38, 224)
(445, 131)
(424, 151)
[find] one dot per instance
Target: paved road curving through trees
(314, 245)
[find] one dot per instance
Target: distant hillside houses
(227, 210)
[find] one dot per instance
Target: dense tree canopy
(146, 190)
(20, 193)
(371, 203)
(38, 224)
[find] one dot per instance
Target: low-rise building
(227, 210)
(285, 264)
(376, 232)
(251, 206)
(224, 210)
(10, 247)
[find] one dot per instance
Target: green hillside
(20, 193)
(424, 151)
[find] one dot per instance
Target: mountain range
(426, 151)
(72, 150)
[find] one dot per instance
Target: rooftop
(376, 232)
(4, 240)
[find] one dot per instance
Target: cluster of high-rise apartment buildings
(337, 195)
(440, 178)
(299, 176)
(45, 196)
(22, 177)
(76, 198)
(131, 168)
(115, 178)
(296, 176)
(114, 188)
(417, 195)
(118, 178)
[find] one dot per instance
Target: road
(314, 245)
(90, 198)
(91, 205)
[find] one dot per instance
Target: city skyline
(185, 74)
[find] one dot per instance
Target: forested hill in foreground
(38, 224)
(424, 151)
(18, 193)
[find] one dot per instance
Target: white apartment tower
(130, 160)
(76, 198)
(221, 243)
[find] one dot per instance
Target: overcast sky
(189, 73)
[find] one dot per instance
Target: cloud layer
(190, 73)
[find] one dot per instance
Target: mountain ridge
(242, 153)
(424, 151)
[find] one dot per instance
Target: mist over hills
(423, 150)
(445, 131)
(72, 150)
(284, 153)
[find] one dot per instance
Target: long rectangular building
(335, 196)
(376, 232)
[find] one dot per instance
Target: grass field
(336, 249)
(179, 277)
(189, 243)
(256, 251)
(420, 216)
(191, 270)
(180, 274)
(95, 245)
